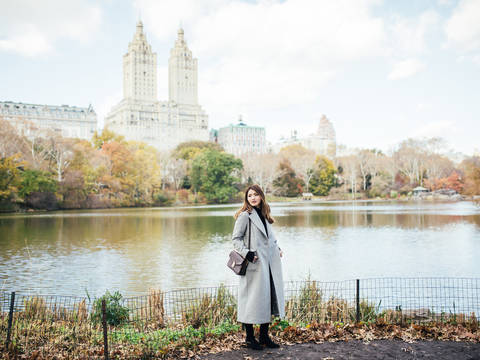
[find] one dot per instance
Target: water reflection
(137, 249)
(403, 215)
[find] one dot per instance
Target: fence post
(358, 300)
(10, 320)
(105, 330)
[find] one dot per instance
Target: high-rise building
(182, 73)
(240, 139)
(140, 69)
(323, 142)
(34, 119)
(140, 116)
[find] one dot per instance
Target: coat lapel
(258, 222)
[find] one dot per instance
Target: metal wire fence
(39, 322)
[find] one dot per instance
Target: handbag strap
(249, 228)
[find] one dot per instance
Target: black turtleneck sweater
(251, 254)
(259, 212)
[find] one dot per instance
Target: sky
(381, 71)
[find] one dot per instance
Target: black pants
(273, 296)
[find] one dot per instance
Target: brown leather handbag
(237, 262)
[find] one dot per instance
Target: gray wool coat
(254, 288)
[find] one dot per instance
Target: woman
(260, 293)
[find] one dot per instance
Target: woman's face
(253, 198)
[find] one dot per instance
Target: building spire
(180, 38)
(139, 39)
(139, 27)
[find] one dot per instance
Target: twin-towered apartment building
(163, 124)
(140, 115)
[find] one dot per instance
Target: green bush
(215, 173)
(116, 313)
(164, 198)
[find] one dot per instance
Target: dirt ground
(355, 349)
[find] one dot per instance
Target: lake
(134, 250)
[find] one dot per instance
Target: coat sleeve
(239, 232)
(272, 234)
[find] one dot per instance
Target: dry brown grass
(211, 310)
(155, 310)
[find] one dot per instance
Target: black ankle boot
(252, 343)
(250, 340)
(265, 339)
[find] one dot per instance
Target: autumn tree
(188, 150)
(452, 182)
(87, 166)
(437, 165)
(147, 176)
(323, 178)
(302, 161)
(105, 137)
(11, 143)
(73, 190)
(119, 178)
(368, 165)
(410, 158)
(59, 154)
(38, 156)
(349, 172)
(260, 169)
(287, 183)
(9, 176)
(177, 172)
(471, 170)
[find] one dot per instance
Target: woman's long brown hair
(263, 204)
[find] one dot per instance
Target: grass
(146, 331)
(211, 310)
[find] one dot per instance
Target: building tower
(325, 129)
(140, 116)
(140, 69)
(327, 137)
(323, 142)
(182, 73)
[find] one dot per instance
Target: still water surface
(134, 250)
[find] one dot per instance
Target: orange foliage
(471, 167)
(182, 195)
(453, 182)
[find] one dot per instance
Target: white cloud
(444, 129)
(473, 58)
(444, 2)
(29, 42)
(406, 68)
(463, 27)
(267, 53)
(409, 35)
(31, 28)
(424, 106)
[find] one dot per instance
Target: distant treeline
(45, 171)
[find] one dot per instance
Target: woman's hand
(281, 253)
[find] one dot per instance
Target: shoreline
(276, 200)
